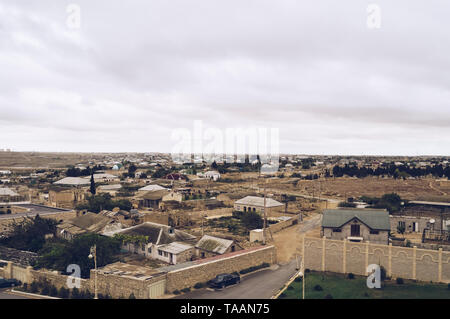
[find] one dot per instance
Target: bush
(25, 287)
(290, 288)
(328, 296)
(399, 281)
(132, 296)
(199, 285)
(75, 293)
(63, 293)
(298, 279)
(176, 292)
(254, 268)
(53, 291)
(318, 288)
(184, 290)
(351, 276)
(34, 287)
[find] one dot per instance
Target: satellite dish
(432, 221)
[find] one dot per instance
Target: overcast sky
(136, 70)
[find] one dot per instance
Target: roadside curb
(32, 295)
(294, 276)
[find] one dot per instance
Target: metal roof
(373, 218)
(258, 201)
(4, 191)
(214, 244)
(175, 247)
(73, 181)
(151, 188)
(416, 202)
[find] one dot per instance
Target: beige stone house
(163, 242)
(65, 197)
(7, 195)
(256, 204)
(87, 223)
(357, 225)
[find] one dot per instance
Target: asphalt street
(259, 285)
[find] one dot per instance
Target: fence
(322, 254)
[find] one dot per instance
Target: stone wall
(284, 224)
(208, 269)
(6, 224)
(348, 257)
(122, 287)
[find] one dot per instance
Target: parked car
(224, 280)
(6, 283)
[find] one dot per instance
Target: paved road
(260, 285)
(6, 294)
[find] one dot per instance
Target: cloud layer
(134, 72)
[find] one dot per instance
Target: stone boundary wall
(323, 254)
(122, 286)
(189, 276)
(274, 228)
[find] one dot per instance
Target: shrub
(350, 276)
(399, 281)
(63, 293)
(254, 268)
(176, 292)
(199, 285)
(186, 290)
(290, 288)
(298, 279)
(75, 293)
(25, 287)
(328, 296)
(53, 291)
(34, 287)
(318, 288)
(132, 296)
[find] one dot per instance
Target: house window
(374, 232)
(202, 255)
(166, 254)
(337, 230)
(254, 209)
(401, 224)
(149, 250)
(355, 230)
(160, 252)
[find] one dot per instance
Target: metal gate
(157, 289)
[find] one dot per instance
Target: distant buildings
(7, 195)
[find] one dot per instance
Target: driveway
(259, 285)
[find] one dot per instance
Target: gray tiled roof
(373, 218)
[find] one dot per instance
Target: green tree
(57, 255)
(92, 188)
(30, 233)
(252, 220)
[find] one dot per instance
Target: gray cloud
(133, 73)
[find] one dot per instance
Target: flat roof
(418, 202)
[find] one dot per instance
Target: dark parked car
(224, 280)
(6, 283)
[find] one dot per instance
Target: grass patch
(339, 286)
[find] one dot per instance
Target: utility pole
(265, 215)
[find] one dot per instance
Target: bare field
(411, 189)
